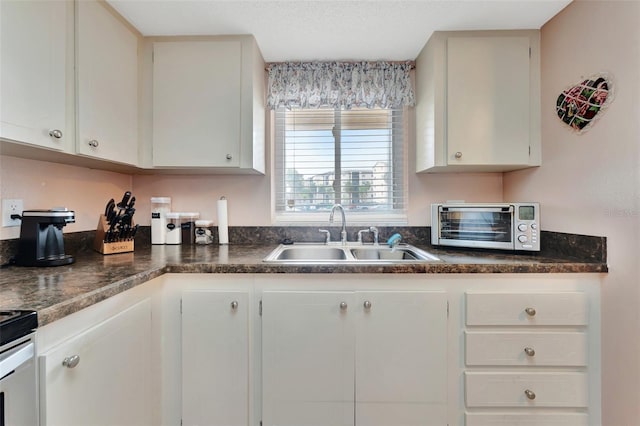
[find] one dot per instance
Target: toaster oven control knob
(523, 238)
(534, 226)
(522, 227)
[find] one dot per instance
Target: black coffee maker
(41, 242)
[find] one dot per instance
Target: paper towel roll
(223, 225)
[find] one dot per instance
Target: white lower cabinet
(215, 358)
(527, 351)
(102, 376)
(329, 350)
(361, 358)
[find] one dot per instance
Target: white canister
(203, 232)
(160, 206)
(173, 230)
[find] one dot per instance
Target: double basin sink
(349, 253)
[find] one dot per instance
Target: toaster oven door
(481, 227)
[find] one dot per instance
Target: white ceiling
(300, 30)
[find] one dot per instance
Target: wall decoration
(578, 105)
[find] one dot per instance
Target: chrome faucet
(343, 233)
(373, 230)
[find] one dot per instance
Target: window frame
(396, 217)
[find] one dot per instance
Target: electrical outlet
(10, 207)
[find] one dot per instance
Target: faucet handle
(374, 231)
(327, 238)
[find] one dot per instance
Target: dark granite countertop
(59, 291)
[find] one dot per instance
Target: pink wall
(43, 185)
(589, 183)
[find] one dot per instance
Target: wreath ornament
(578, 105)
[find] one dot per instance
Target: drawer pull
(530, 311)
(234, 305)
(343, 306)
(71, 361)
(530, 394)
(529, 351)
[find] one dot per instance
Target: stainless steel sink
(351, 253)
(400, 253)
(311, 253)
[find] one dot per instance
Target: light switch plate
(10, 207)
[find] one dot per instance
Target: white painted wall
(589, 183)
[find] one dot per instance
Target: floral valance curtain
(339, 85)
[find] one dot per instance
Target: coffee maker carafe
(41, 242)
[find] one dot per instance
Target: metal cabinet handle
(71, 361)
(93, 143)
(367, 304)
(343, 306)
(458, 154)
(530, 394)
(229, 156)
(234, 305)
(530, 311)
(55, 133)
(529, 351)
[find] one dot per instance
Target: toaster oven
(504, 226)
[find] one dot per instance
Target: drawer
(569, 309)
(506, 389)
(560, 419)
(526, 349)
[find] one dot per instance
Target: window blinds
(351, 157)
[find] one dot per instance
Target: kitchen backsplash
(553, 244)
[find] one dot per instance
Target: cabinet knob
(93, 143)
(229, 156)
(530, 394)
(531, 312)
(343, 306)
(71, 361)
(529, 351)
(234, 305)
(367, 304)
(458, 154)
(55, 133)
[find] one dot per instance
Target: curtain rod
(412, 63)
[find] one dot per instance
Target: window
(332, 156)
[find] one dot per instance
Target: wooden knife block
(101, 246)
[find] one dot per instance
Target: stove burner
(15, 324)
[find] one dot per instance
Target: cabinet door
(488, 100)
(196, 103)
(107, 76)
(401, 358)
(111, 385)
(215, 358)
(307, 359)
(32, 72)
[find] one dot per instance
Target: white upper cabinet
(107, 82)
(33, 73)
(208, 104)
(478, 102)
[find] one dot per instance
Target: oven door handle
(14, 358)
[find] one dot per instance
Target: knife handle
(125, 200)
